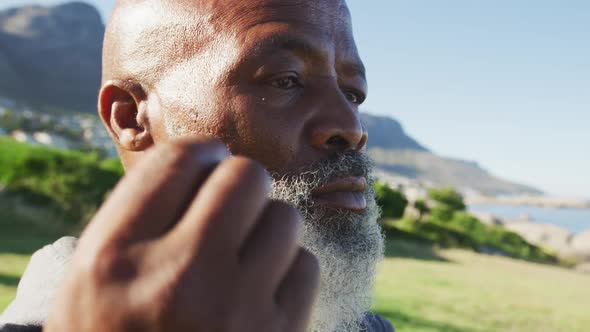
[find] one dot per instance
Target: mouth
(343, 193)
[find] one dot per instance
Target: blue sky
(505, 83)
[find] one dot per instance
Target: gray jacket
(46, 271)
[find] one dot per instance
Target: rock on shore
(581, 244)
(584, 268)
(549, 236)
(560, 240)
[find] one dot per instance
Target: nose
(337, 126)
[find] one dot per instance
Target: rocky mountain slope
(51, 55)
(395, 153)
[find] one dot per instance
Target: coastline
(528, 200)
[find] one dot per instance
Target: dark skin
(189, 241)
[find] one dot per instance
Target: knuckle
(309, 266)
(260, 323)
(289, 216)
(190, 153)
(222, 317)
(196, 142)
(250, 170)
(109, 264)
(286, 211)
(282, 322)
(174, 156)
(176, 150)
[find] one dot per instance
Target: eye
(286, 82)
(354, 97)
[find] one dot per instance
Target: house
(22, 137)
(51, 139)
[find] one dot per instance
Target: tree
(422, 208)
(448, 197)
(392, 202)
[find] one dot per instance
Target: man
(193, 239)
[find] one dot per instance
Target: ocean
(574, 220)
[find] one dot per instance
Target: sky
(501, 82)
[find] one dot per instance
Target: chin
(348, 245)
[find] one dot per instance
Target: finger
(298, 291)
(271, 248)
(153, 195)
(225, 209)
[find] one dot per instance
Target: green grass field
(421, 289)
(18, 241)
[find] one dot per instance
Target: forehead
(330, 18)
(322, 28)
(242, 30)
(325, 14)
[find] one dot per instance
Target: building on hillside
(87, 123)
(43, 138)
(27, 114)
(21, 136)
(52, 140)
(45, 119)
(88, 134)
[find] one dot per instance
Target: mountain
(50, 56)
(387, 133)
(398, 155)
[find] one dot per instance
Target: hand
(189, 241)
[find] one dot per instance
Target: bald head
(185, 67)
(145, 37)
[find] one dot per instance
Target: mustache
(345, 164)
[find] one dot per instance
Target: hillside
(431, 168)
(398, 155)
(50, 56)
(387, 133)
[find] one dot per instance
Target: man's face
(281, 82)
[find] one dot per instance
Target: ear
(122, 108)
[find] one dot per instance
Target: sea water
(574, 220)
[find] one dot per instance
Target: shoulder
(376, 323)
(37, 286)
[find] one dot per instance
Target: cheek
(264, 133)
(191, 110)
(190, 101)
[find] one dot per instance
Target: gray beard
(347, 244)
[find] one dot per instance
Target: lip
(344, 193)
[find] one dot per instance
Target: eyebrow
(280, 42)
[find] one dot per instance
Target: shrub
(448, 197)
(437, 233)
(448, 228)
(422, 208)
(493, 237)
(441, 213)
(392, 202)
(72, 183)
